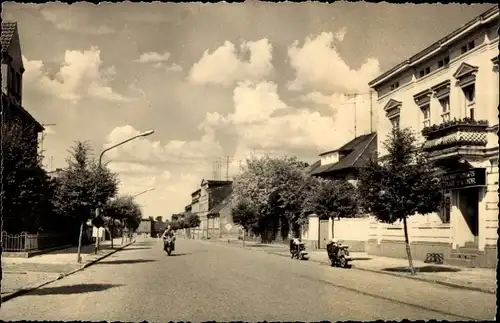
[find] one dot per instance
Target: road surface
(207, 281)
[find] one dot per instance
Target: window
(426, 112)
(395, 122)
(467, 47)
(394, 86)
(445, 108)
(444, 62)
(470, 97)
(445, 209)
(423, 72)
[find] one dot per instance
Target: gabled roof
(312, 167)
(211, 182)
(360, 149)
(9, 28)
(8, 103)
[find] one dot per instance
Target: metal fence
(25, 242)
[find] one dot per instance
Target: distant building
(57, 173)
(12, 83)
(449, 94)
(145, 228)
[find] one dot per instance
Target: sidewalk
(481, 279)
(22, 274)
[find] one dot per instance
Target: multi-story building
(448, 94)
(12, 84)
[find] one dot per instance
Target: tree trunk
(111, 233)
(78, 256)
(408, 249)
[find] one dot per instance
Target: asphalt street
(206, 281)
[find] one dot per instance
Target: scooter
(168, 245)
(338, 255)
(298, 251)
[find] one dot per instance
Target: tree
(403, 185)
(159, 219)
(246, 215)
(83, 187)
(27, 190)
(275, 187)
(336, 199)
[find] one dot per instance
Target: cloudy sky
(212, 80)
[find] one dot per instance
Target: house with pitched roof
(343, 163)
(12, 82)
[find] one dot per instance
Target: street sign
(98, 221)
(228, 227)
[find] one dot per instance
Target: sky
(215, 82)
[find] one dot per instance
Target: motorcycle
(168, 245)
(338, 255)
(298, 251)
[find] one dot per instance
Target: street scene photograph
(252, 161)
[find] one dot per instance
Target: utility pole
(43, 135)
(227, 168)
(371, 112)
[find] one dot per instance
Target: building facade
(12, 85)
(448, 94)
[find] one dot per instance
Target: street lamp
(148, 190)
(97, 211)
(144, 134)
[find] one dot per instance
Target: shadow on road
(72, 289)
(361, 258)
(179, 254)
(124, 262)
(132, 249)
(424, 269)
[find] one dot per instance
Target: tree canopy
(273, 189)
(402, 185)
(337, 199)
(84, 186)
(27, 190)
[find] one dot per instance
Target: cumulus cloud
(174, 151)
(225, 65)
(317, 64)
(75, 17)
(262, 122)
(80, 75)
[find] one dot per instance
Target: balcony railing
(466, 133)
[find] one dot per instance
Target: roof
(196, 192)
(441, 44)
(360, 150)
(8, 30)
(215, 182)
(312, 167)
(216, 209)
(8, 102)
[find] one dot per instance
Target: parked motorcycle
(168, 245)
(298, 250)
(338, 254)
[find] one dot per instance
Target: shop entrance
(469, 207)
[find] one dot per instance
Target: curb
(424, 279)
(23, 291)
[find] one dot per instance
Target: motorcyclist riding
(169, 233)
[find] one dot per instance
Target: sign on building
(473, 177)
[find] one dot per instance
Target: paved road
(205, 281)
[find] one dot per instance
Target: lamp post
(144, 134)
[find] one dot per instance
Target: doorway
(469, 206)
(323, 233)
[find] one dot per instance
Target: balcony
(456, 138)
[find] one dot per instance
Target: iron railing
(26, 242)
